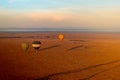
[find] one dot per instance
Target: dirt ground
(80, 56)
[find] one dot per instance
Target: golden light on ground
(99, 55)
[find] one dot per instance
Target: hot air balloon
(36, 45)
(61, 36)
(25, 46)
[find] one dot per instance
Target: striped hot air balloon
(25, 46)
(36, 45)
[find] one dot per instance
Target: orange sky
(102, 14)
(94, 19)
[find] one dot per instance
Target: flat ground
(80, 56)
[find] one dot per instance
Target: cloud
(97, 18)
(46, 16)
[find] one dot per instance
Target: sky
(78, 14)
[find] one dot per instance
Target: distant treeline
(10, 37)
(42, 37)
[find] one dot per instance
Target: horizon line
(55, 30)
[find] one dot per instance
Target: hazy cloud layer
(95, 14)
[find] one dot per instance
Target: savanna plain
(79, 56)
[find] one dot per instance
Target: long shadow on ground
(76, 47)
(78, 70)
(79, 40)
(88, 78)
(50, 47)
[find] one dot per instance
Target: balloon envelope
(61, 36)
(25, 46)
(36, 44)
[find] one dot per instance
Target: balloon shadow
(76, 47)
(50, 47)
(79, 40)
